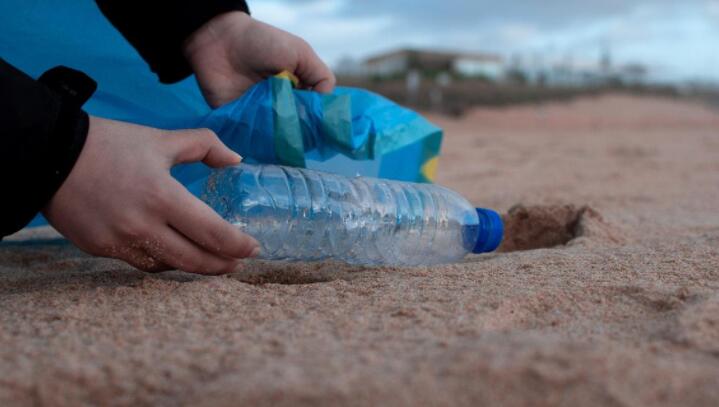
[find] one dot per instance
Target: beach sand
(606, 291)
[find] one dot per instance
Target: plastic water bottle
(305, 215)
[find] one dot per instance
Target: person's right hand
(120, 201)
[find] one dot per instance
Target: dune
(605, 291)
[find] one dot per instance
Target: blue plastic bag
(273, 123)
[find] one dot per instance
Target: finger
(313, 72)
(201, 145)
(202, 225)
(174, 249)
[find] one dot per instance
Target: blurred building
(535, 69)
(479, 65)
(432, 63)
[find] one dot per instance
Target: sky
(677, 39)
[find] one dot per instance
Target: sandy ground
(616, 303)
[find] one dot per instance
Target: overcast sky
(677, 39)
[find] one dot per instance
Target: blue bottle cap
(491, 231)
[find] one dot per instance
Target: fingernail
(255, 252)
(239, 157)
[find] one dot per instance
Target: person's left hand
(233, 51)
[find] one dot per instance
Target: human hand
(233, 51)
(120, 201)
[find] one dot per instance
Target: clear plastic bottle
(305, 215)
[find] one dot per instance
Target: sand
(606, 291)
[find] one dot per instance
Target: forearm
(159, 29)
(42, 136)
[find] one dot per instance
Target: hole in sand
(536, 227)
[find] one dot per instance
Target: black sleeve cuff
(44, 132)
(159, 28)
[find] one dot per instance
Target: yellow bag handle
(289, 76)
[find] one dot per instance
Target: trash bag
(276, 124)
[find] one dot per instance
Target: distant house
(479, 65)
(432, 62)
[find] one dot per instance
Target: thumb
(201, 145)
